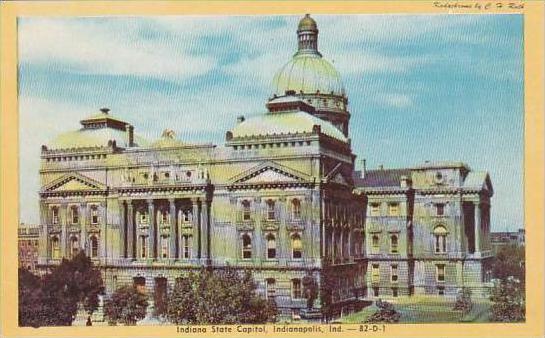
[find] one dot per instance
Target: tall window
(55, 215)
(94, 247)
(393, 244)
(186, 216)
(164, 246)
(74, 213)
(74, 246)
(55, 248)
(440, 272)
(393, 209)
(186, 246)
(271, 246)
(246, 211)
(296, 208)
(296, 288)
(271, 288)
(440, 239)
(246, 246)
(374, 209)
(164, 216)
(393, 273)
(375, 273)
(143, 246)
(375, 244)
(270, 210)
(94, 214)
(440, 209)
(296, 246)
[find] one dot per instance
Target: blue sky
(436, 87)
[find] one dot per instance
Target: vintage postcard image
(311, 173)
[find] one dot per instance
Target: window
(393, 273)
(296, 246)
(74, 246)
(375, 209)
(440, 239)
(271, 246)
(296, 289)
(375, 242)
(441, 290)
(440, 209)
(375, 273)
(393, 209)
(296, 208)
(94, 247)
(186, 246)
(394, 292)
(271, 288)
(246, 211)
(440, 272)
(74, 213)
(55, 215)
(94, 214)
(375, 291)
(186, 216)
(393, 244)
(164, 246)
(143, 246)
(143, 217)
(55, 248)
(246, 246)
(164, 217)
(270, 210)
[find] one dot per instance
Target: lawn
(427, 309)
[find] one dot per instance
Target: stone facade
(281, 198)
(28, 238)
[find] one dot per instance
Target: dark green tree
(509, 261)
(181, 302)
(126, 306)
(386, 313)
(508, 301)
(31, 309)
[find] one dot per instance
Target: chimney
(240, 119)
(130, 135)
(363, 168)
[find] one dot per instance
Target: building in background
(280, 197)
(504, 238)
(28, 236)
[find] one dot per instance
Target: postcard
(261, 169)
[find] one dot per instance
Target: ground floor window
(55, 248)
(441, 290)
(376, 291)
(394, 292)
(94, 247)
(271, 288)
(296, 288)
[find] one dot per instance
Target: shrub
(385, 314)
(127, 305)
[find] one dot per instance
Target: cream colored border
(534, 151)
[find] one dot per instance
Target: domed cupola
(313, 79)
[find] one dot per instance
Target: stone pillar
(258, 238)
(477, 228)
(323, 251)
(43, 247)
(196, 223)
(333, 249)
(152, 230)
(342, 239)
(205, 225)
(122, 233)
(103, 234)
(131, 253)
(350, 253)
(64, 233)
(173, 237)
(83, 225)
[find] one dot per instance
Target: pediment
(270, 172)
(73, 182)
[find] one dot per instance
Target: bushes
(385, 314)
(127, 305)
(508, 298)
(463, 301)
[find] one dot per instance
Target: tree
(310, 290)
(463, 300)
(31, 312)
(509, 261)
(127, 305)
(181, 303)
(508, 298)
(386, 313)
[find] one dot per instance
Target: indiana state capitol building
(281, 197)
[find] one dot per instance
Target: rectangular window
(440, 209)
(186, 246)
(441, 290)
(296, 288)
(55, 215)
(143, 246)
(271, 289)
(94, 215)
(164, 247)
(374, 209)
(270, 210)
(375, 244)
(393, 274)
(394, 292)
(393, 209)
(375, 291)
(246, 211)
(375, 273)
(440, 272)
(75, 216)
(394, 244)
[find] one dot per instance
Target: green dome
(307, 24)
(308, 73)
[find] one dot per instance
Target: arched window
(164, 246)
(94, 247)
(270, 210)
(393, 244)
(186, 254)
(296, 246)
(55, 215)
(75, 214)
(440, 237)
(246, 211)
(74, 246)
(375, 243)
(246, 246)
(271, 246)
(55, 248)
(94, 214)
(296, 208)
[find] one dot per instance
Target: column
(44, 234)
(342, 239)
(258, 238)
(350, 253)
(196, 223)
(477, 226)
(83, 225)
(205, 223)
(122, 227)
(152, 230)
(173, 237)
(130, 230)
(333, 248)
(64, 233)
(323, 252)
(103, 234)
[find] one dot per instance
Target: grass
(427, 309)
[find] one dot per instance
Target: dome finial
(307, 33)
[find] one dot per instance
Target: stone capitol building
(281, 197)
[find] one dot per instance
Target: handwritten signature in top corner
(479, 5)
